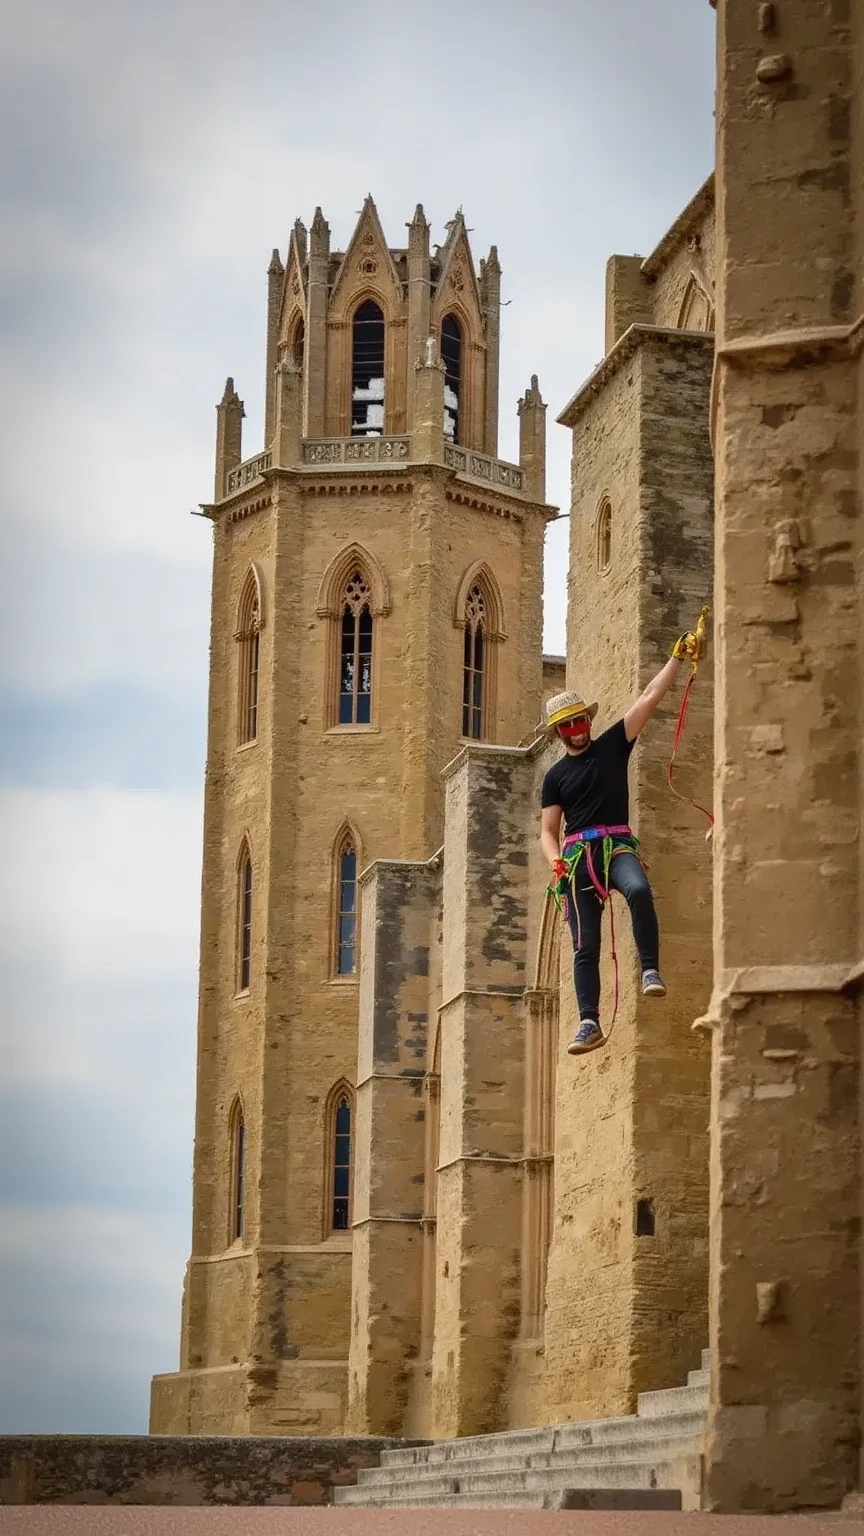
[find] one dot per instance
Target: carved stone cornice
(349, 485)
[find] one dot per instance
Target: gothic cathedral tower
(377, 593)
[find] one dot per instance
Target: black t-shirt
(591, 786)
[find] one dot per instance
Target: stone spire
(229, 437)
(275, 284)
(532, 440)
(419, 288)
(490, 298)
(315, 383)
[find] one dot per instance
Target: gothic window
(451, 356)
(479, 614)
(248, 636)
(604, 537)
(298, 341)
(346, 908)
(355, 657)
(367, 371)
(341, 1183)
(244, 921)
(474, 665)
(237, 1187)
(353, 595)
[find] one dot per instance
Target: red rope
(679, 732)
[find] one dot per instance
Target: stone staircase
(649, 1460)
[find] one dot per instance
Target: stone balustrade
(353, 451)
(478, 466)
(356, 450)
(245, 473)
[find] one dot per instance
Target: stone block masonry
(173, 1470)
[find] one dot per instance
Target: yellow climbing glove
(685, 648)
(691, 647)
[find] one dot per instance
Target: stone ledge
(183, 1470)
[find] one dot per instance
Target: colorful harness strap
(682, 718)
(578, 845)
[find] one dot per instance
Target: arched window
(451, 357)
(353, 595)
(604, 537)
(355, 660)
(248, 636)
(346, 908)
(367, 372)
(340, 1215)
(474, 665)
(237, 1185)
(479, 613)
(244, 921)
(298, 341)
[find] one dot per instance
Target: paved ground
(150, 1521)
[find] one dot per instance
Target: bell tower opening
(367, 372)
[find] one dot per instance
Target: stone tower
(376, 602)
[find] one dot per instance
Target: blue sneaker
(587, 1038)
(652, 984)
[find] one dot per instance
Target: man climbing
(587, 790)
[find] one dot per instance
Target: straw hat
(564, 706)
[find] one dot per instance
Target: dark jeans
(626, 875)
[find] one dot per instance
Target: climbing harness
(579, 846)
(694, 649)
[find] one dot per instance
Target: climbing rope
(693, 647)
(563, 891)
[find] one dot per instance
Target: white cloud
(88, 1300)
(106, 884)
(150, 157)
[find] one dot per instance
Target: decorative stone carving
(767, 17)
(773, 68)
(323, 453)
(367, 267)
(783, 562)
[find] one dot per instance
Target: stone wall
(631, 1120)
(169, 1470)
(272, 1309)
(786, 1293)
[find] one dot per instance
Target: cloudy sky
(152, 155)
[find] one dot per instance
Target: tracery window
(248, 636)
(237, 1187)
(244, 922)
(346, 909)
(367, 371)
(474, 665)
(451, 356)
(355, 657)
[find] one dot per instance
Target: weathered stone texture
(182, 1471)
(631, 1123)
(786, 1136)
(274, 1306)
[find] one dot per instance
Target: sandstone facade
(529, 1238)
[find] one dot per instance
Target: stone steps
(639, 1443)
(559, 1498)
(650, 1459)
(522, 1446)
